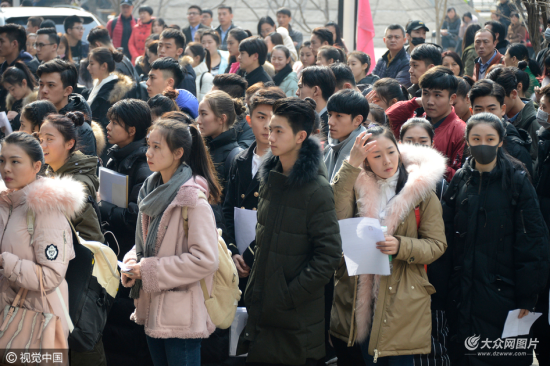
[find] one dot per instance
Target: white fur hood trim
(56, 194)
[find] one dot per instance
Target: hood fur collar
(63, 194)
(123, 85)
(425, 167)
(10, 100)
(306, 168)
(186, 60)
(99, 134)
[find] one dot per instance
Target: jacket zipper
(522, 222)
(480, 181)
(6, 224)
(375, 356)
(376, 351)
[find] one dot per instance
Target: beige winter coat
(401, 323)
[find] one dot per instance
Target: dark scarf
(281, 75)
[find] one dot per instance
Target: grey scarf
(153, 199)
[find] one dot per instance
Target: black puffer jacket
(500, 254)
(86, 138)
(124, 341)
(517, 143)
(220, 148)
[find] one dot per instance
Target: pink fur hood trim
(425, 167)
(63, 194)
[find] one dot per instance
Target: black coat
(245, 136)
(256, 76)
(220, 148)
(242, 191)
(517, 143)
(121, 336)
(187, 32)
(298, 250)
(86, 138)
(188, 82)
(500, 254)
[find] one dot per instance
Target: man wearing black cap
(416, 34)
(120, 28)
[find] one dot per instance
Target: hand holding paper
(515, 326)
(359, 238)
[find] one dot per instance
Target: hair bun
(171, 93)
(522, 65)
(76, 117)
(118, 56)
(240, 108)
(311, 103)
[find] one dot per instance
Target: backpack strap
(200, 81)
(113, 25)
(185, 216)
(31, 217)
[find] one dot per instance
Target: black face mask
(484, 154)
(417, 40)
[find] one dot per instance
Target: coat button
(242, 195)
(412, 287)
(390, 287)
(384, 320)
(256, 194)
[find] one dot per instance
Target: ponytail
(201, 164)
(15, 75)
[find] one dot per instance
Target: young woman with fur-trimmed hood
(109, 87)
(50, 246)
(389, 316)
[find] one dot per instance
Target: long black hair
(239, 35)
(339, 42)
(521, 53)
(506, 163)
(470, 35)
(387, 133)
(15, 75)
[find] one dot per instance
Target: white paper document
(515, 326)
(5, 123)
(123, 267)
(113, 187)
(245, 227)
(359, 238)
(239, 322)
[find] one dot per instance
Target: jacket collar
(399, 55)
(64, 194)
(225, 138)
(425, 167)
(128, 154)
(306, 168)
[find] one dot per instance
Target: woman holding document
(168, 261)
(389, 317)
(129, 120)
(498, 243)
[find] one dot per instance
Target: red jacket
(449, 135)
(136, 45)
(496, 60)
(116, 32)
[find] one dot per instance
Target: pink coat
(52, 246)
(171, 302)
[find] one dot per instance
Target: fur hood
(122, 87)
(100, 140)
(10, 100)
(186, 60)
(306, 168)
(45, 195)
(425, 166)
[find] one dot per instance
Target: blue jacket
(398, 68)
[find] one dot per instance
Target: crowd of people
(448, 146)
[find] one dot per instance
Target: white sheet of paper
(113, 187)
(123, 267)
(515, 327)
(4, 122)
(245, 227)
(359, 238)
(239, 322)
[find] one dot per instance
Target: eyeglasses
(41, 45)
(78, 28)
